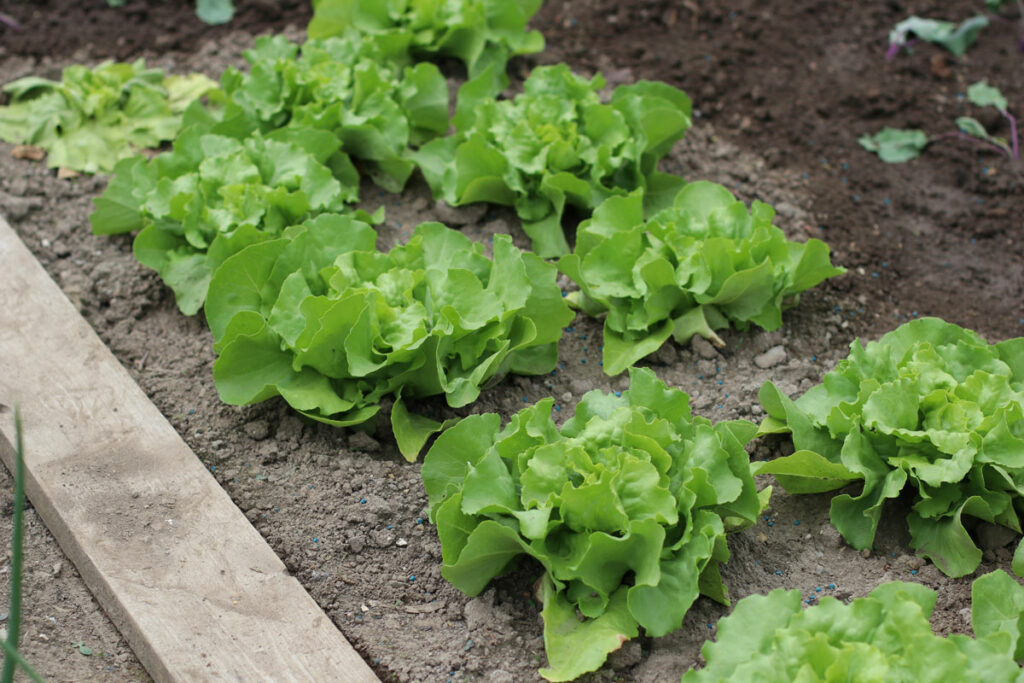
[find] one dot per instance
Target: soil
(783, 89)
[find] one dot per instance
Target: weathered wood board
(194, 588)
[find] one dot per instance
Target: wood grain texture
(193, 587)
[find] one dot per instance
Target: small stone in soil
(770, 358)
(363, 442)
(703, 348)
(257, 430)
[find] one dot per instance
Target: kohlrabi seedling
(895, 145)
(954, 37)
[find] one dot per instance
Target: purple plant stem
(7, 21)
(965, 136)
(1013, 132)
(894, 48)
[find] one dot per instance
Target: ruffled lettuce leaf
(626, 507)
(280, 147)
(92, 118)
(997, 606)
(931, 409)
(215, 194)
(554, 145)
(321, 318)
(885, 636)
(377, 107)
(483, 34)
(702, 264)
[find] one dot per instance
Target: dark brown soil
(783, 88)
(797, 82)
(59, 28)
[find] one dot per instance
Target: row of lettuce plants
(250, 215)
(626, 506)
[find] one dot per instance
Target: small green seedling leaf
(971, 126)
(984, 95)
(895, 145)
(215, 12)
(953, 37)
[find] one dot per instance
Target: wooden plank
(192, 586)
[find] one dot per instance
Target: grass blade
(10, 646)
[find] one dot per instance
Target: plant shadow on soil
(783, 88)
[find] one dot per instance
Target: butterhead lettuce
(92, 118)
(323, 319)
(885, 636)
(377, 107)
(215, 194)
(483, 34)
(931, 410)
(626, 507)
(704, 263)
(555, 144)
(281, 147)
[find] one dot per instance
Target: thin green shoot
(10, 646)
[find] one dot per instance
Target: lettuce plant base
(303, 486)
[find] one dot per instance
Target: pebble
(17, 208)
(455, 216)
(478, 612)
(579, 387)
(500, 676)
(360, 441)
(770, 358)
(257, 430)
(703, 348)
(786, 209)
(830, 536)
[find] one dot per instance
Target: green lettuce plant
(277, 149)
(92, 118)
(556, 143)
(885, 636)
(483, 34)
(324, 320)
(626, 507)
(930, 410)
(377, 107)
(215, 194)
(997, 607)
(704, 263)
